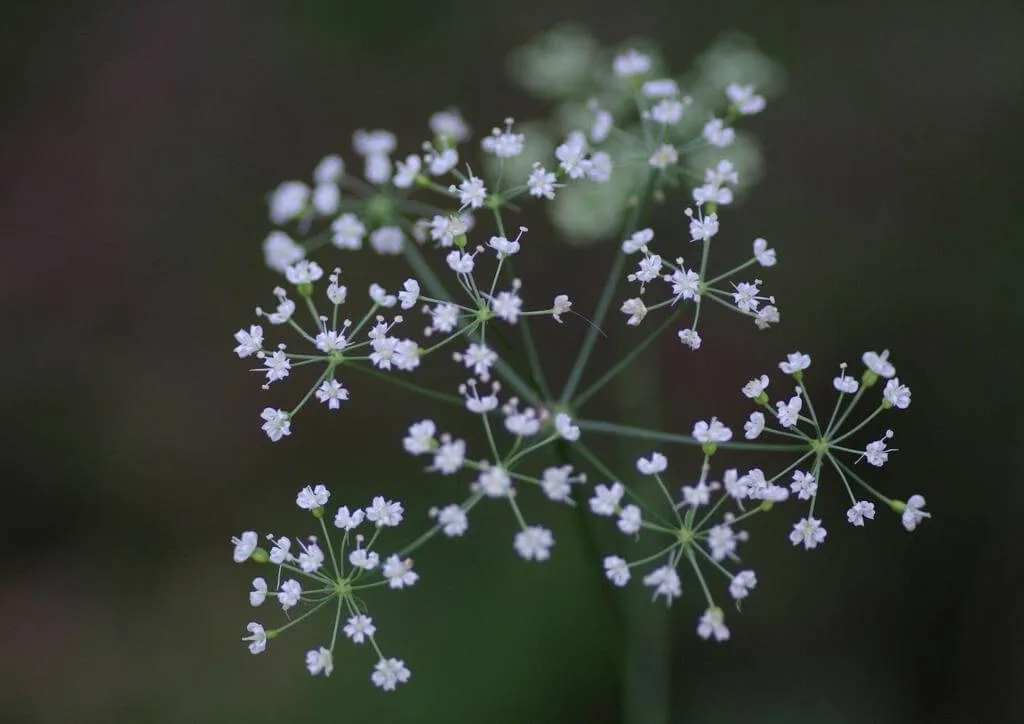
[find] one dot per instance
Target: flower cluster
(310, 574)
(637, 136)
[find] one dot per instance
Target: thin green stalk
(612, 428)
(604, 302)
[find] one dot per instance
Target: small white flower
(534, 543)
(844, 384)
(606, 498)
(789, 412)
(494, 482)
(257, 638)
(348, 232)
(541, 182)
(280, 551)
(896, 395)
(312, 556)
(450, 456)
(449, 125)
(381, 298)
(472, 192)
(453, 520)
(249, 343)
(631, 63)
(742, 584)
(664, 156)
(755, 387)
(504, 144)
(399, 572)
(407, 171)
(556, 482)
(331, 393)
(420, 439)
(722, 540)
(326, 199)
(637, 241)
(795, 362)
(879, 363)
(876, 452)
(665, 582)
(744, 99)
(479, 358)
(319, 661)
(764, 255)
(809, 532)
(711, 432)
(410, 294)
(690, 338)
(348, 520)
(276, 423)
(859, 511)
(387, 240)
(359, 628)
(913, 512)
(702, 228)
(617, 570)
(566, 430)
(629, 519)
(280, 251)
(288, 201)
(388, 673)
(330, 169)
(712, 623)
(697, 495)
(384, 513)
(667, 112)
(717, 133)
(654, 465)
(754, 426)
(804, 486)
(289, 594)
(636, 310)
(560, 306)
(258, 594)
(310, 498)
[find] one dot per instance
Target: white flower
(280, 251)
(504, 144)
(789, 412)
(685, 284)
(879, 363)
(795, 362)
(744, 99)
(387, 240)
(384, 512)
(896, 395)
(449, 125)
(494, 481)
(319, 661)
(556, 483)
(717, 133)
(702, 228)
(258, 638)
(289, 594)
(712, 623)
(450, 456)
(631, 63)
(600, 167)
(913, 512)
(876, 452)
(453, 520)
(406, 171)
(410, 294)
(534, 543)
(479, 358)
(741, 585)
(660, 88)
(249, 343)
(809, 532)
(629, 519)
(696, 495)
(507, 306)
(326, 199)
(245, 545)
(388, 673)
(764, 255)
(638, 240)
(566, 430)
(362, 557)
(722, 540)
(665, 582)
(358, 628)
(859, 511)
(766, 316)
(472, 192)
(288, 201)
(258, 594)
(542, 182)
(312, 556)
(279, 552)
(617, 570)
(844, 384)
(349, 520)
(348, 232)
(657, 463)
(310, 498)
(460, 262)
(504, 246)
(664, 156)
(276, 423)
(690, 338)
(636, 310)
(420, 439)
(330, 169)
(804, 486)
(711, 432)
(667, 112)
(560, 306)
(753, 427)
(602, 125)
(572, 155)
(399, 572)
(331, 393)
(381, 298)
(606, 498)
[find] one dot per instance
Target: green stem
(608, 292)
(612, 428)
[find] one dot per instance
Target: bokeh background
(139, 142)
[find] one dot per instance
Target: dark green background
(139, 141)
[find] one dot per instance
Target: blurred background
(140, 140)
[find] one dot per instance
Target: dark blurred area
(140, 140)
